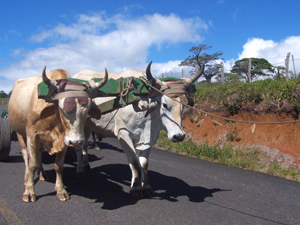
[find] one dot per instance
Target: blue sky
(119, 35)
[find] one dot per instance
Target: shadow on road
(110, 185)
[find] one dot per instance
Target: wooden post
(249, 70)
(295, 75)
(222, 73)
(287, 65)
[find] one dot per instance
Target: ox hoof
(63, 196)
(136, 194)
(28, 198)
(97, 148)
(148, 193)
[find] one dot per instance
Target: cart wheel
(4, 139)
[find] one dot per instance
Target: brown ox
(53, 126)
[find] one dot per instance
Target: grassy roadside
(245, 158)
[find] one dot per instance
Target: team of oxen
(60, 120)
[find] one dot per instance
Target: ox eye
(165, 105)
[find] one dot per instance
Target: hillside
(278, 141)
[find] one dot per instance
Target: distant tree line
(246, 69)
(3, 94)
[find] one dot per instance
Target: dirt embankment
(283, 138)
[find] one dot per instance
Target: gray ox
(138, 131)
(53, 125)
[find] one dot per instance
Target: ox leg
(79, 168)
(41, 172)
(146, 188)
(129, 150)
(85, 159)
(33, 164)
(22, 142)
(85, 156)
(83, 164)
(61, 192)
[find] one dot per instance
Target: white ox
(53, 126)
(138, 131)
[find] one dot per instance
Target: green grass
(230, 155)
(233, 95)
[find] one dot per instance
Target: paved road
(188, 191)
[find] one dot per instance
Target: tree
(259, 67)
(211, 71)
(199, 59)
(279, 72)
(3, 94)
(229, 78)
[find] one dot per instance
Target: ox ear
(190, 101)
(49, 110)
(95, 111)
(152, 106)
(141, 105)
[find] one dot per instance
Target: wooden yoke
(126, 90)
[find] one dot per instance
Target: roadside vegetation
(3, 98)
(235, 156)
(269, 94)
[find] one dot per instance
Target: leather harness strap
(71, 89)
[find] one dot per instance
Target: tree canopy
(211, 71)
(199, 59)
(259, 67)
(229, 78)
(3, 94)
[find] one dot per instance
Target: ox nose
(178, 137)
(76, 144)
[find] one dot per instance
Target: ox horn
(152, 79)
(103, 81)
(149, 75)
(195, 77)
(45, 78)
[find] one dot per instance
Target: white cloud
(255, 47)
(170, 69)
(97, 41)
(228, 64)
(274, 52)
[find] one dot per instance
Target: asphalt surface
(188, 191)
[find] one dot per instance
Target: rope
(109, 121)
(98, 134)
(126, 88)
(220, 117)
